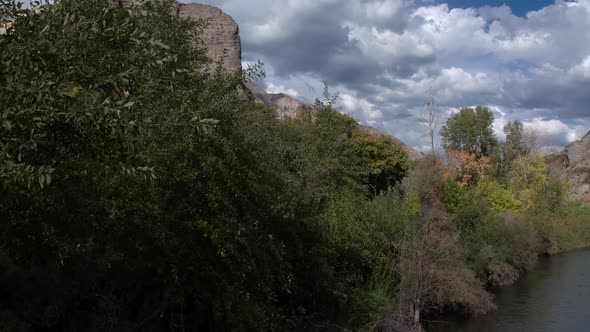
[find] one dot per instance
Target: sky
(528, 60)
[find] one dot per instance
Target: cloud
(387, 47)
(271, 88)
(361, 108)
(553, 132)
(581, 70)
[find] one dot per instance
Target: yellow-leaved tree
(528, 178)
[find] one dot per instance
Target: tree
(470, 131)
(431, 122)
(431, 272)
(123, 209)
(384, 161)
(467, 169)
(520, 141)
(528, 177)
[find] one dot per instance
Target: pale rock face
(578, 168)
(285, 105)
(574, 165)
(579, 151)
(220, 36)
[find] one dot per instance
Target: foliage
(386, 162)
(467, 168)
(529, 172)
(519, 142)
(498, 198)
(115, 232)
(470, 131)
(528, 177)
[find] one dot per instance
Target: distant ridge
(285, 105)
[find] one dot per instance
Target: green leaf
(161, 45)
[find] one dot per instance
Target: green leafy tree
(385, 161)
(138, 189)
(470, 131)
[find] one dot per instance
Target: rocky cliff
(574, 161)
(219, 37)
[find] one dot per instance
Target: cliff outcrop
(219, 37)
(574, 161)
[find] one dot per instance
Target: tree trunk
(416, 312)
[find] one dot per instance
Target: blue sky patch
(519, 7)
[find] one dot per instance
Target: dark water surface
(553, 297)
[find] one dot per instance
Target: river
(553, 297)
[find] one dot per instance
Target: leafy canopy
(470, 131)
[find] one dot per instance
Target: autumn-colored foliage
(467, 168)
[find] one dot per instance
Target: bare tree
(530, 138)
(430, 121)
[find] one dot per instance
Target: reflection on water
(555, 296)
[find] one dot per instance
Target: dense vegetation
(142, 191)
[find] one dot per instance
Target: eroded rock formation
(219, 38)
(574, 160)
(285, 105)
(577, 165)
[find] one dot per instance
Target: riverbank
(554, 296)
(553, 234)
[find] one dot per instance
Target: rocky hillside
(574, 161)
(285, 105)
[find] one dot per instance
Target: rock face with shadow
(285, 105)
(577, 166)
(574, 161)
(219, 37)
